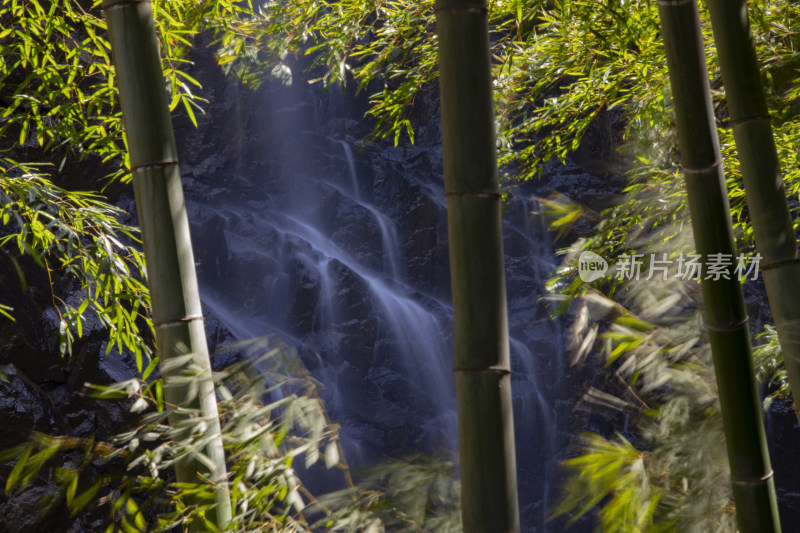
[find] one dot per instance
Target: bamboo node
(154, 164)
(112, 3)
(467, 9)
(178, 321)
(750, 118)
(701, 170)
(752, 481)
(778, 264)
(486, 370)
(730, 326)
(493, 194)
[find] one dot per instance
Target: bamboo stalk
(177, 313)
(726, 319)
(482, 365)
(761, 174)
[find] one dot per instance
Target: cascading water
(344, 256)
(351, 167)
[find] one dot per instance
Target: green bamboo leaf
(16, 472)
(84, 498)
(12, 453)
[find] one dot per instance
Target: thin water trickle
(392, 267)
(351, 166)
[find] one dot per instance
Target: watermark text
(647, 267)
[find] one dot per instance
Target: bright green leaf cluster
(77, 235)
(58, 95)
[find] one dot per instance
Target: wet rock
(211, 250)
(358, 231)
(24, 408)
(21, 511)
(218, 336)
(304, 299)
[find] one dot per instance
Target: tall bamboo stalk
(726, 319)
(482, 366)
(761, 174)
(177, 314)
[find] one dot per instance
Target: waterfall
(343, 255)
(341, 297)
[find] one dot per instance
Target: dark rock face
(41, 392)
(24, 408)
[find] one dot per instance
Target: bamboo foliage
(761, 174)
(726, 319)
(482, 366)
(177, 314)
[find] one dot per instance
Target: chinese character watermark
(688, 267)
